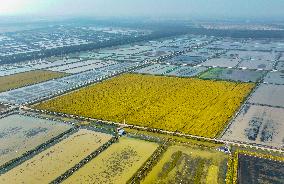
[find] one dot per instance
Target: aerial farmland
(117, 164)
(138, 100)
(27, 78)
(181, 163)
(118, 104)
(58, 158)
(20, 134)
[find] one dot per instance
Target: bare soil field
(275, 78)
(268, 94)
(258, 124)
(19, 134)
(222, 62)
(257, 64)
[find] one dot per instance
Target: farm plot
(222, 62)
(28, 78)
(258, 170)
(233, 75)
(155, 53)
(19, 134)
(257, 64)
(95, 65)
(82, 66)
(51, 163)
(3, 108)
(188, 105)
(259, 125)
(254, 59)
(225, 44)
(36, 92)
(157, 69)
(187, 59)
(119, 67)
(187, 71)
(52, 62)
(171, 48)
(252, 55)
(281, 58)
(280, 66)
(6, 70)
(268, 94)
(171, 70)
(69, 66)
(117, 164)
(181, 164)
(27, 66)
(275, 78)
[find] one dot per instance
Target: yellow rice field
(27, 78)
(181, 164)
(117, 164)
(51, 163)
(187, 105)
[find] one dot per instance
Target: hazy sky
(153, 8)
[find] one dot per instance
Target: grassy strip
(175, 138)
(262, 155)
(232, 171)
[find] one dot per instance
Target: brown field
(117, 164)
(27, 78)
(51, 163)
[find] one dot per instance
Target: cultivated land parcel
(19, 134)
(116, 164)
(51, 163)
(181, 164)
(187, 105)
(27, 78)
